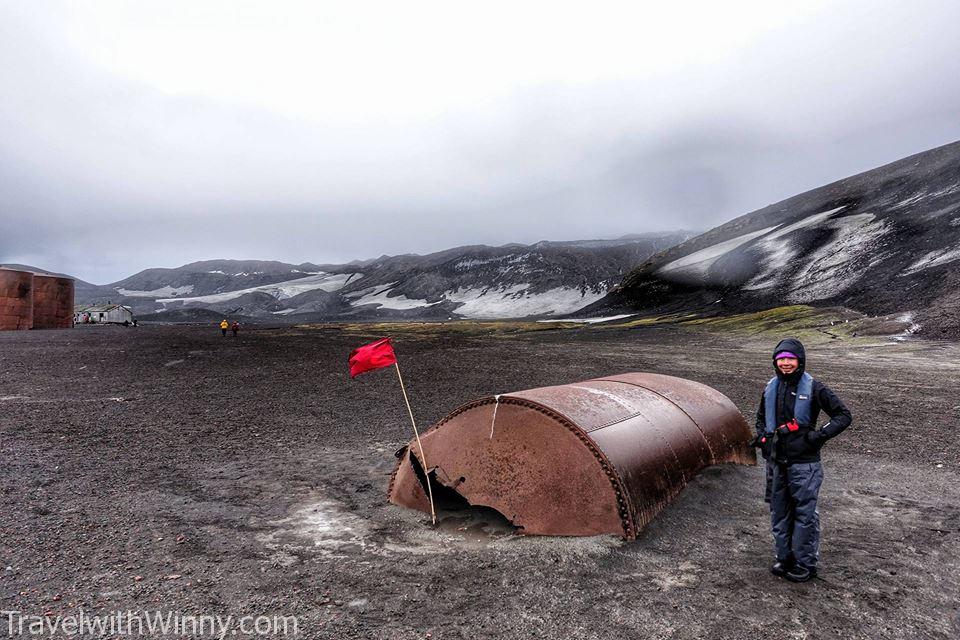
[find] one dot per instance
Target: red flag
(375, 355)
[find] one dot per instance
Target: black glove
(762, 442)
(815, 437)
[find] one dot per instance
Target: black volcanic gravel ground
(170, 468)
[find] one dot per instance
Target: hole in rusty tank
(446, 498)
(456, 515)
(418, 470)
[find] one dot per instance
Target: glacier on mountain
(779, 251)
(279, 290)
(516, 301)
(698, 263)
(154, 293)
(835, 266)
(380, 296)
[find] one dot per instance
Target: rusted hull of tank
(600, 456)
(16, 300)
(52, 302)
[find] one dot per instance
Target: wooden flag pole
(423, 459)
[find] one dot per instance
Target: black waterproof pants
(768, 490)
(794, 519)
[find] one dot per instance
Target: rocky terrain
(168, 468)
(513, 281)
(884, 241)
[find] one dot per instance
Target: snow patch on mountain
(926, 195)
(465, 265)
(513, 301)
(508, 263)
(837, 265)
(279, 290)
(934, 259)
(590, 320)
(698, 263)
(516, 301)
(156, 293)
(778, 251)
(380, 296)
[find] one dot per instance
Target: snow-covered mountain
(543, 279)
(883, 241)
(209, 277)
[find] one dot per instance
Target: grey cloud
(96, 165)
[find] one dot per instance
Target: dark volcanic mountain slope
(500, 282)
(210, 276)
(883, 241)
(547, 278)
(206, 278)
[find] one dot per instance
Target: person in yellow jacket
(224, 325)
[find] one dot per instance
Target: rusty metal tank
(601, 456)
(52, 302)
(16, 299)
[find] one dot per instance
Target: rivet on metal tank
(600, 456)
(16, 299)
(52, 302)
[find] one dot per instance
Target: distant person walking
(235, 327)
(224, 325)
(790, 443)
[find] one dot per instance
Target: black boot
(781, 567)
(800, 573)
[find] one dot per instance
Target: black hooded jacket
(803, 445)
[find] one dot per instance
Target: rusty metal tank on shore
(16, 299)
(52, 302)
(594, 457)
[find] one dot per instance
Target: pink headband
(785, 354)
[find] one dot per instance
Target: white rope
(496, 403)
(423, 458)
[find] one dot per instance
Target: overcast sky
(152, 134)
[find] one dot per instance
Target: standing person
(224, 325)
(235, 327)
(790, 442)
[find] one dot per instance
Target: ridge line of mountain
(546, 278)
